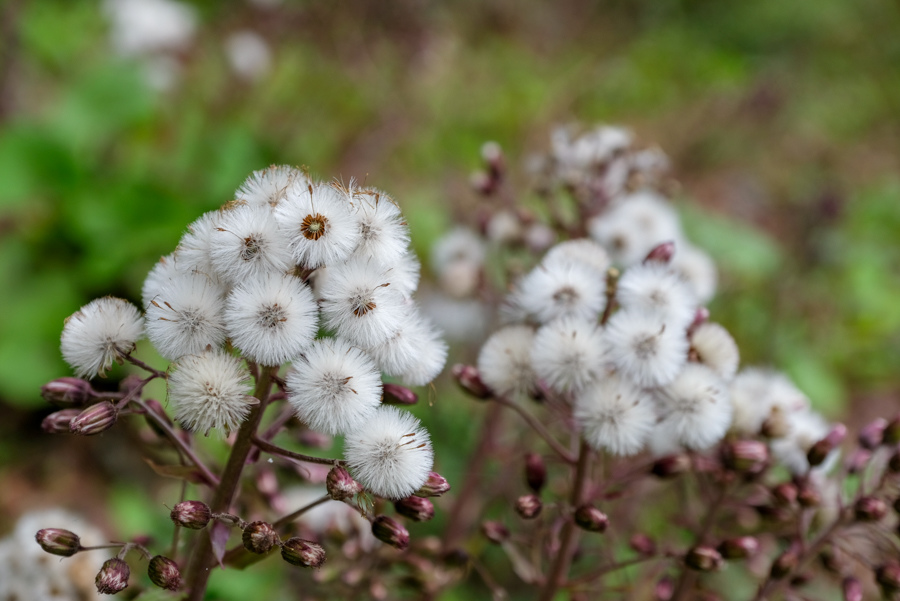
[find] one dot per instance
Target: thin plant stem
(538, 427)
(272, 449)
(293, 516)
(142, 365)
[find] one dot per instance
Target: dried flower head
(100, 333)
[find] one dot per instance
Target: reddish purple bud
(340, 485)
(588, 517)
(495, 532)
(820, 450)
(852, 589)
(746, 456)
(304, 553)
(671, 465)
(529, 506)
(469, 379)
(57, 541)
(59, 422)
(785, 563)
(95, 419)
(482, 183)
(391, 532)
(661, 253)
(435, 486)
(394, 394)
(888, 578)
(703, 559)
(664, 589)
(870, 509)
(259, 537)
(535, 471)
(858, 461)
(785, 493)
(643, 544)
(112, 577)
(67, 392)
(191, 514)
(164, 573)
(739, 548)
(872, 434)
(830, 560)
(808, 495)
(418, 509)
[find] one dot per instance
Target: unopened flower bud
(535, 471)
(304, 553)
(746, 456)
(785, 563)
(872, 434)
(340, 484)
(664, 589)
(67, 392)
(642, 544)
(390, 531)
(469, 379)
(95, 419)
(434, 486)
(776, 425)
(191, 514)
(57, 541)
(164, 573)
(858, 461)
(495, 532)
(259, 537)
(785, 493)
(59, 422)
(703, 559)
(661, 253)
(852, 589)
(671, 465)
(529, 506)
(112, 577)
(588, 517)
(888, 578)
(418, 509)
(830, 560)
(808, 495)
(870, 509)
(820, 450)
(394, 394)
(739, 548)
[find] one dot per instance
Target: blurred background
(121, 122)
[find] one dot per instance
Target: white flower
(655, 289)
(165, 270)
(634, 225)
(391, 456)
(581, 250)
(248, 54)
(383, 235)
(414, 352)
(192, 253)
(696, 407)
(210, 390)
(614, 416)
(505, 361)
(101, 332)
(319, 222)
(271, 319)
(647, 351)
(568, 353)
(806, 428)
(247, 243)
(186, 316)
(698, 270)
(562, 288)
(359, 302)
(759, 394)
(334, 387)
(714, 347)
(148, 26)
(575, 157)
(268, 187)
(405, 272)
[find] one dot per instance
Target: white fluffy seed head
(713, 346)
(505, 361)
(614, 416)
(101, 332)
(581, 250)
(247, 243)
(647, 351)
(806, 428)
(696, 407)
(405, 273)
(269, 186)
(210, 391)
(186, 316)
(758, 394)
(160, 275)
(415, 352)
(698, 270)
(391, 456)
(634, 225)
(655, 289)
(359, 302)
(334, 387)
(383, 234)
(193, 253)
(568, 354)
(272, 318)
(319, 223)
(461, 244)
(562, 288)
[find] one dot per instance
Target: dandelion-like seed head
(614, 415)
(313, 227)
(100, 333)
(696, 406)
(318, 221)
(186, 316)
(644, 349)
(505, 361)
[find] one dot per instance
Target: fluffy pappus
(103, 331)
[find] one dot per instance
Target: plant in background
(316, 275)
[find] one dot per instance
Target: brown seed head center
(313, 226)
